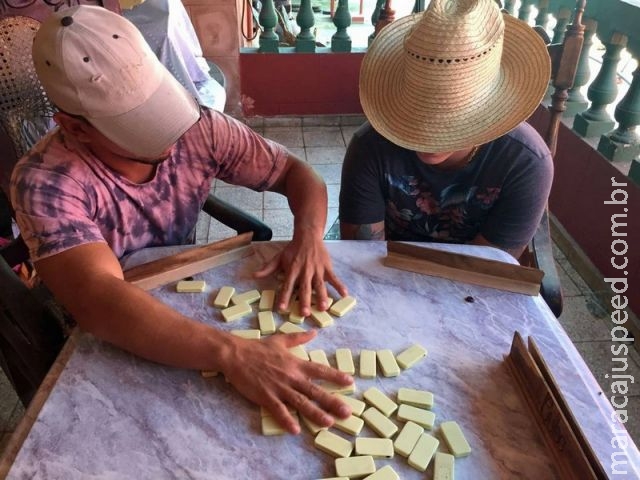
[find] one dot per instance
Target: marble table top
(113, 415)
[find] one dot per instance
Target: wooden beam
(464, 268)
(195, 260)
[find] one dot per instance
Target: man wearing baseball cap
(130, 167)
(446, 154)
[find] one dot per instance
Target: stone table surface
(113, 415)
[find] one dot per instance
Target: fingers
(268, 268)
(293, 339)
(323, 372)
(282, 415)
(335, 282)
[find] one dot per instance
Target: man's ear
(77, 127)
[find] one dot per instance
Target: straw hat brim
(524, 75)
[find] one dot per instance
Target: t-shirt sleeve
(245, 157)
(516, 215)
(361, 196)
(52, 211)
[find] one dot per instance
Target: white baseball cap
(95, 63)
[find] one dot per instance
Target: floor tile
(322, 155)
(299, 152)
(600, 359)
(569, 288)
(321, 120)
(286, 136)
(330, 172)
(347, 133)
(333, 192)
(323, 137)
(574, 275)
(8, 402)
(241, 197)
(280, 221)
(275, 200)
(583, 319)
(289, 122)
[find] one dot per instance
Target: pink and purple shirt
(65, 197)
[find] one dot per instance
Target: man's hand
(307, 266)
(266, 373)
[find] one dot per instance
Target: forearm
(307, 196)
(140, 324)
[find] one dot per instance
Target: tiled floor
(322, 142)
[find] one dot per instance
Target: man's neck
(135, 172)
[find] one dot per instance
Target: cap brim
(151, 128)
(523, 80)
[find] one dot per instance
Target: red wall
(300, 83)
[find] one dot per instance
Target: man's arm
(515, 252)
(370, 231)
(88, 281)
(305, 260)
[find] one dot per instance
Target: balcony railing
(603, 106)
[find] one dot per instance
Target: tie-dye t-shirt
(500, 194)
(64, 196)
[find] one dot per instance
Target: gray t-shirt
(500, 194)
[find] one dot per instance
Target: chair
(32, 326)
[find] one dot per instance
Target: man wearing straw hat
(129, 168)
(446, 154)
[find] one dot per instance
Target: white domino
(454, 438)
(367, 364)
(357, 406)
(351, 425)
(288, 327)
(266, 300)
(322, 319)
(355, 467)
(236, 312)
(267, 322)
(388, 363)
(342, 306)
(376, 398)
(313, 427)
(333, 444)
(271, 427)
(318, 356)
(409, 413)
(344, 360)
(407, 438)
(443, 466)
(249, 297)
(385, 473)
(191, 286)
(417, 398)
(249, 334)
(224, 297)
(411, 355)
(299, 352)
(294, 313)
(376, 447)
(380, 424)
(423, 452)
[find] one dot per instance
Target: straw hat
(459, 74)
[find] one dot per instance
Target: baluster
(341, 41)
(375, 18)
(509, 6)
(387, 15)
(305, 41)
(418, 6)
(562, 20)
(543, 14)
(525, 10)
(268, 20)
(576, 102)
(602, 92)
(623, 144)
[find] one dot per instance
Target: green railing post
(375, 16)
(305, 41)
(525, 10)
(341, 41)
(602, 92)
(509, 6)
(562, 20)
(576, 103)
(623, 144)
(543, 14)
(268, 20)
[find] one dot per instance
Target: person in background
(446, 154)
(129, 167)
